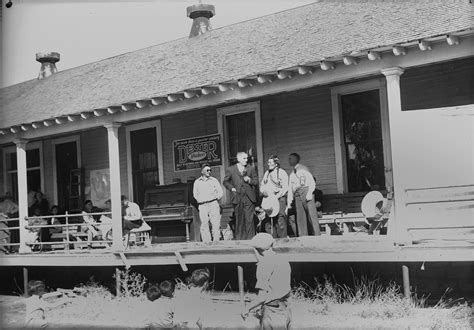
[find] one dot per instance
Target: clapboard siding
(301, 122)
(439, 85)
(181, 126)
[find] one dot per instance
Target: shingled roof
(294, 37)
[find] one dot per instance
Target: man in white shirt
(301, 187)
(208, 191)
(132, 216)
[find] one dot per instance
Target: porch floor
(348, 248)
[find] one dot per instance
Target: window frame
(222, 113)
(67, 139)
(12, 150)
(340, 154)
(159, 151)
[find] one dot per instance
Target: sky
(85, 31)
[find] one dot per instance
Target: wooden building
(384, 85)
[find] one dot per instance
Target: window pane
(241, 136)
(33, 158)
(363, 141)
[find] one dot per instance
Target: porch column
(116, 203)
(22, 193)
(396, 131)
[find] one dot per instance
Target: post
(22, 193)
(240, 275)
(396, 125)
(116, 203)
(406, 282)
(25, 282)
(117, 282)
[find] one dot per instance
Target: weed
(132, 284)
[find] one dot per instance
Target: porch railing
(72, 234)
(6, 233)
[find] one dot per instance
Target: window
(144, 159)
(361, 136)
(241, 129)
(33, 166)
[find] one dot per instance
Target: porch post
(22, 193)
(116, 203)
(396, 131)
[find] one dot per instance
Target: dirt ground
(121, 314)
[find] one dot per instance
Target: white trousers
(210, 213)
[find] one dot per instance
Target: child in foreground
(194, 305)
(36, 305)
(162, 307)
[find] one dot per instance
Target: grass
(325, 303)
(369, 302)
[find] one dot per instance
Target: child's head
(153, 292)
(167, 288)
(36, 287)
(200, 278)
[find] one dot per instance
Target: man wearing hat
(208, 191)
(273, 285)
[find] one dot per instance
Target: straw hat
(271, 205)
(369, 204)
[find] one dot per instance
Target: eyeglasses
(208, 170)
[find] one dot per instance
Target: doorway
(66, 155)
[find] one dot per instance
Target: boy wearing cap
(208, 191)
(273, 284)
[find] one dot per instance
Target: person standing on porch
(241, 180)
(275, 181)
(301, 187)
(208, 191)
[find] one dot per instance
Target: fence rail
(70, 237)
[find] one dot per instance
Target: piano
(171, 212)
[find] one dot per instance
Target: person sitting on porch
(54, 211)
(93, 226)
(35, 235)
(132, 216)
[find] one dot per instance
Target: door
(363, 141)
(144, 162)
(66, 160)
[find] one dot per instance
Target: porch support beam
(396, 124)
(22, 192)
(115, 193)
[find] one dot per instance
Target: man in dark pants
(301, 187)
(241, 181)
(273, 285)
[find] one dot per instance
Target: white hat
(369, 204)
(262, 241)
(271, 205)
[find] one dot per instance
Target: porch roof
(285, 40)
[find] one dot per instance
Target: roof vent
(200, 13)
(48, 64)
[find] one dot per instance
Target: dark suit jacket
(233, 179)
